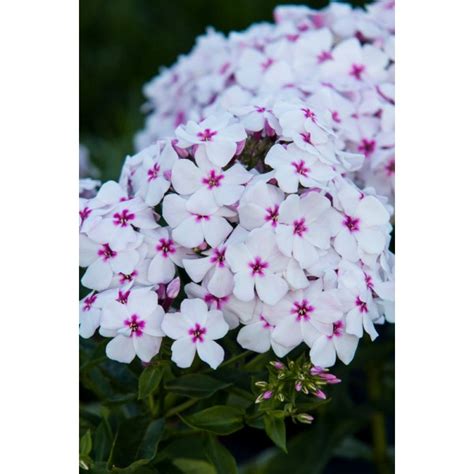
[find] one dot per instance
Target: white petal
(254, 337)
(238, 257)
(346, 245)
(216, 229)
(323, 353)
(153, 323)
(210, 352)
(146, 346)
(142, 302)
(175, 325)
(220, 152)
(98, 276)
(221, 282)
(161, 270)
(346, 346)
(182, 352)
(197, 268)
(195, 310)
(271, 288)
(372, 212)
(121, 349)
(371, 240)
(288, 332)
(354, 323)
(216, 327)
(189, 233)
(174, 209)
(186, 177)
(243, 286)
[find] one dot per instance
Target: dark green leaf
(194, 466)
(85, 445)
(195, 385)
(149, 380)
(219, 456)
(275, 428)
(219, 419)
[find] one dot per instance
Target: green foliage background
(122, 45)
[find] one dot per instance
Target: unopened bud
(315, 370)
(261, 384)
(298, 386)
(267, 395)
(305, 418)
(320, 394)
(172, 290)
(277, 364)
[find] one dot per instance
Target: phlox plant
(245, 248)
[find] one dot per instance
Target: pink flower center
(390, 168)
(218, 257)
(218, 302)
(126, 278)
(367, 147)
(197, 333)
(266, 64)
(300, 168)
(272, 215)
(352, 223)
(260, 110)
(213, 180)
(123, 296)
(165, 246)
(308, 113)
(153, 172)
(106, 252)
(324, 56)
(135, 324)
(362, 305)
(302, 310)
(199, 218)
(335, 116)
(266, 324)
(85, 213)
(368, 281)
(258, 266)
(299, 227)
(122, 218)
(337, 329)
(306, 136)
(356, 71)
(88, 302)
(207, 135)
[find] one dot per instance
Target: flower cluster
(249, 217)
(339, 61)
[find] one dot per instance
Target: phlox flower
(89, 315)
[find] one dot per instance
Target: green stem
(180, 408)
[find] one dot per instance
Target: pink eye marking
(218, 257)
(165, 246)
(199, 218)
(390, 168)
(302, 310)
(318, 20)
(260, 110)
(153, 172)
(122, 218)
(299, 227)
(85, 213)
(266, 324)
(306, 136)
(335, 116)
(272, 215)
(368, 281)
(135, 324)
(292, 38)
(337, 329)
(88, 302)
(258, 266)
(219, 302)
(180, 118)
(300, 168)
(308, 113)
(224, 68)
(361, 305)
(123, 278)
(207, 135)
(123, 296)
(266, 64)
(106, 252)
(352, 223)
(367, 147)
(356, 71)
(197, 333)
(213, 180)
(324, 56)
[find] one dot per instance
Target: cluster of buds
(287, 383)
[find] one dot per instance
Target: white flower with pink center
(260, 206)
(216, 136)
(257, 265)
(327, 346)
(304, 227)
(89, 315)
(362, 226)
(304, 314)
(196, 221)
(135, 326)
(354, 66)
(195, 329)
(205, 181)
(233, 310)
(103, 261)
(257, 116)
(294, 167)
(152, 178)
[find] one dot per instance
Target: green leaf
(149, 380)
(219, 419)
(275, 428)
(85, 445)
(135, 444)
(219, 456)
(194, 466)
(196, 385)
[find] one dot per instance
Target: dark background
(122, 45)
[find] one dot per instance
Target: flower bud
(298, 386)
(261, 384)
(172, 290)
(277, 364)
(320, 394)
(305, 418)
(316, 370)
(267, 395)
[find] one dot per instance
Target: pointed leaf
(219, 419)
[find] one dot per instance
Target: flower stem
(180, 408)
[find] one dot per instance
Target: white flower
(136, 326)
(256, 264)
(294, 167)
(205, 181)
(89, 315)
(195, 329)
(215, 136)
(303, 227)
(196, 221)
(257, 116)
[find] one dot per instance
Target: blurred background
(122, 45)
